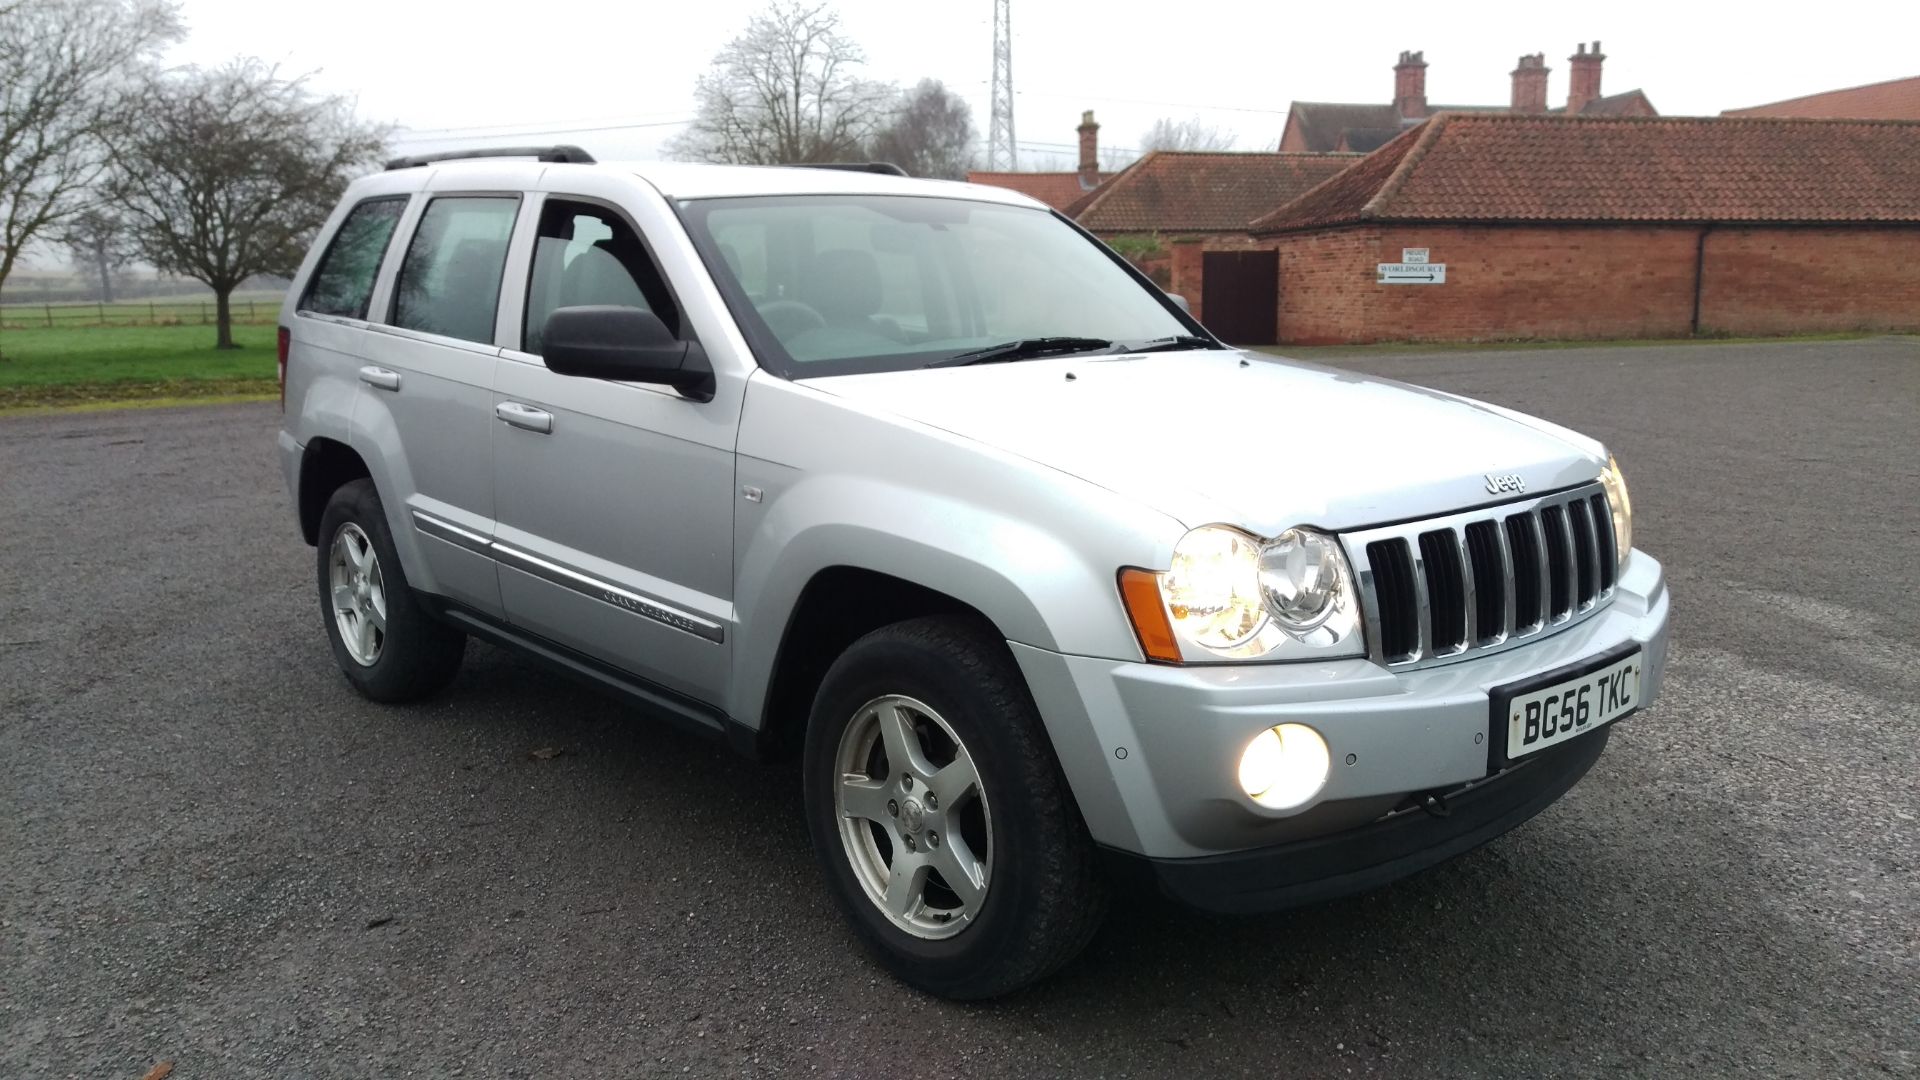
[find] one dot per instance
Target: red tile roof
(1514, 168)
(1201, 191)
(1057, 189)
(1895, 100)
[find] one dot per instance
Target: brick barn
(1203, 199)
(1580, 227)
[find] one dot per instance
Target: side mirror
(1180, 302)
(626, 344)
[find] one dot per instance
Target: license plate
(1540, 714)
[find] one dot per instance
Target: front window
(838, 284)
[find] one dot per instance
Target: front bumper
(1375, 854)
(1152, 751)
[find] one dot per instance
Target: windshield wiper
(1169, 344)
(1024, 349)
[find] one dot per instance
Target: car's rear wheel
(388, 646)
(940, 816)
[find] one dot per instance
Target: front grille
(1436, 590)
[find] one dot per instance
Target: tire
(414, 656)
(953, 685)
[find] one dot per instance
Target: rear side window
(343, 282)
(449, 282)
(587, 254)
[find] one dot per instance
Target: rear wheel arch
(325, 467)
(838, 606)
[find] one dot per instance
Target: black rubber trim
(683, 711)
(1357, 860)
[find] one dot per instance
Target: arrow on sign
(1407, 277)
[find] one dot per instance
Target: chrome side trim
(567, 577)
(1356, 542)
(609, 593)
(456, 535)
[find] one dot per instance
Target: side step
(695, 716)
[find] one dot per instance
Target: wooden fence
(134, 313)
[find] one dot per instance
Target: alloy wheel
(913, 819)
(359, 594)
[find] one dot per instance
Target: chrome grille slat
(1506, 572)
(1469, 597)
(1425, 620)
(1588, 567)
(1603, 540)
(1490, 566)
(1548, 546)
(1445, 575)
(1422, 601)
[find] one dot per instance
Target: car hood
(1241, 438)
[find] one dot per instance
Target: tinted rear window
(449, 283)
(343, 282)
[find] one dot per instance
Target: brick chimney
(1583, 84)
(1089, 151)
(1410, 85)
(1530, 84)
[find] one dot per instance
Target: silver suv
(1049, 591)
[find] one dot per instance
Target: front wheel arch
(838, 606)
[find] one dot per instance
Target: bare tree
(232, 171)
(65, 69)
(1189, 134)
(100, 245)
(929, 134)
(787, 91)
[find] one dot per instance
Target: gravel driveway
(212, 853)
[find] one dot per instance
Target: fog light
(1284, 766)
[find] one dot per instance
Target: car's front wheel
(388, 646)
(940, 816)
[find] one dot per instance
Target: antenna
(1001, 154)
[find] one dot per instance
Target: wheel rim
(359, 594)
(914, 821)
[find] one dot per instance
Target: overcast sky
(561, 65)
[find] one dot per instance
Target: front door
(614, 500)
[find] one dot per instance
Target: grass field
(62, 367)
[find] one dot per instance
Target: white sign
(1412, 273)
(1413, 255)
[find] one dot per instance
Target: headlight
(1226, 595)
(1616, 486)
(1301, 574)
(1212, 589)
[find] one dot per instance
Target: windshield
(838, 284)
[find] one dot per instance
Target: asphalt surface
(213, 853)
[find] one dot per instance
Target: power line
(1161, 104)
(542, 131)
(1076, 146)
(430, 132)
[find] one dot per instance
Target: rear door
(427, 399)
(614, 500)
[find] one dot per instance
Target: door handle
(525, 416)
(380, 378)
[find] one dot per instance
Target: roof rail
(558, 155)
(884, 168)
